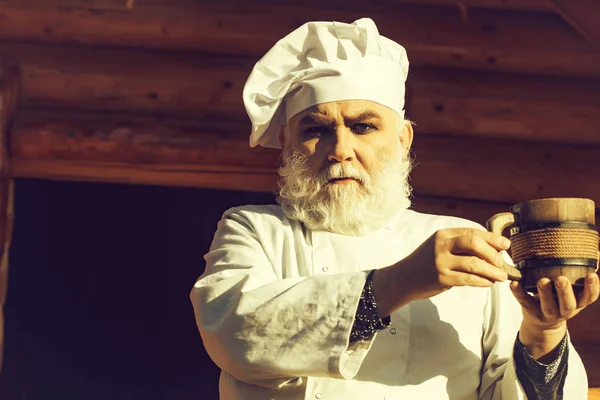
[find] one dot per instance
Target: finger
(566, 297)
(525, 300)
(594, 282)
(474, 265)
(495, 240)
(473, 245)
(591, 289)
(455, 278)
(548, 304)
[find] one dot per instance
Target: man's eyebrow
(321, 119)
(361, 117)
(315, 118)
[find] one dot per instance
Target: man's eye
(363, 128)
(314, 131)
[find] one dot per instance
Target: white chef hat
(321, 62)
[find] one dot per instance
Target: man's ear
(406, 136)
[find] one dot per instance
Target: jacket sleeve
(499, 379)
(268, 330)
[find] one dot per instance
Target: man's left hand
(545, 317)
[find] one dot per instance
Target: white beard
(356, 208)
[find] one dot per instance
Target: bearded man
(341, 291)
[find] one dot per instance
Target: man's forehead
(347, 109)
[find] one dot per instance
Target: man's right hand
(448, 258)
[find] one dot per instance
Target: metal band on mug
(533, 226)
(556, 262)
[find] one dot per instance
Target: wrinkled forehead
(345, 110)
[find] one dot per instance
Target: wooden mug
(550, 238)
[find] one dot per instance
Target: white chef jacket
(276, 304)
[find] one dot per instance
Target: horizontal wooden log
(125, 149)
(121, 5)
(504, 170)
(493, 40)
(173, 175)
(504, 106)
(439, 101)
(525, 5)
(45, 144)
(118, 138)
(78, 77)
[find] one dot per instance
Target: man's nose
(342, 148)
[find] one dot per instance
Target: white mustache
(340, 171)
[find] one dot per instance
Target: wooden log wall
(505, 94)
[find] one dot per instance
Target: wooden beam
(121, 5)
(139, 150)
(192, 85)
(523, 5)
(504, 170)
(432, 35)
(504, 106)
(583, 15)
(9, 81)
(80, 77)
(114, 148)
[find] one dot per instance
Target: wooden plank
(9, 87)
(493, 40)
(481, 169)
(524, 5)
(583, 15)
(210, 177)
(121, 5)
(144, 150)
(173, 83)
(504, 106)
(504, 170)
(79, 77)
(123, 139)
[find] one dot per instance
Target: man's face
(345, 166)
(354, 132)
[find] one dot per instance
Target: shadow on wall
(98, 291)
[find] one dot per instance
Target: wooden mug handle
(496, 224)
